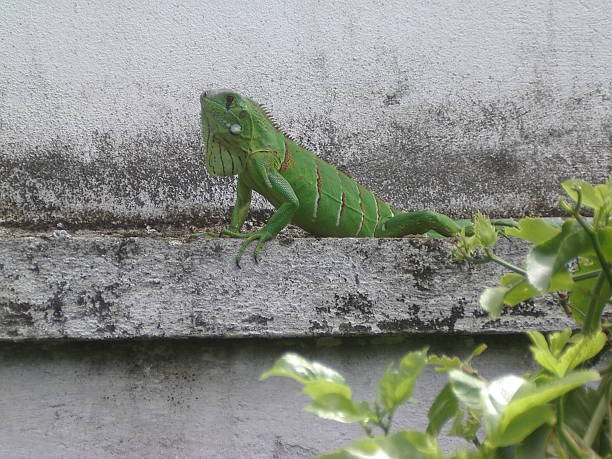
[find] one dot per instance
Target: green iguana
(240, 138)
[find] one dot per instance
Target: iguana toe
(204, 234)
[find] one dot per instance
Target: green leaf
(495, 398)
(484, 230)
(539, 395)
(444, 407)
(575, 245)
(476, 352)
(541, 352)
(492, 300)
(538, 339)
(339, 408)
(510, 407)
(605, 241)
(320, 387)
(605, 189)
(580, 404)
(467, 389)
(405, 444)
(559, 359)
(423, 442)
(465, 246)
(581, 295)
(591, 197)
(533, 446)
(541, 261)
(302, 370)
(580, 407)
(584, 349)
(519, 289)
(465, 424)
(397, 384)
(534, 230)
(523, 425)
(444, 362)
(558, 340)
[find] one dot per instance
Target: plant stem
(505, 264)
(605, 267)
(367, 429)
(558, 448)
(585, 276)
(478, 261)
(591, 319)
(380, 419)
(595, 424)
(389, 421)
(569, 443)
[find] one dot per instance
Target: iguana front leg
(239, 213)
(261, 168)
(241, 208)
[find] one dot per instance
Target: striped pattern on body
(331, 203)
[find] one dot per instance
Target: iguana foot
(233, 233)
(261, 235)
(222, 233)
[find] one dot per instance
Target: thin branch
(585, 276)
(569, 443)
(505, 264)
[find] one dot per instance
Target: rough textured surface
(93, 286)
(453, 106)
(481, 106)
(200, 398)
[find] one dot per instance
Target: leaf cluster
(571, 256)
(553, 412)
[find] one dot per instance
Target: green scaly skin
(239, 138)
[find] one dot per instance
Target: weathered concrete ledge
(96, 286)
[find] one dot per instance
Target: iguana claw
(263, 236)
(204, 234)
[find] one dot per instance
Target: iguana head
(232, 127)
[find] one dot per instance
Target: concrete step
(92, 285)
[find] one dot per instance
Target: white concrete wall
(201, 399)
(471, 105)
(454, 106)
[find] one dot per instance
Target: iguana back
(331, 203)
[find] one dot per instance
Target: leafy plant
(554, 412)
(573, 257)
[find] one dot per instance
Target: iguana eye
(235, 129)
(228, 101)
